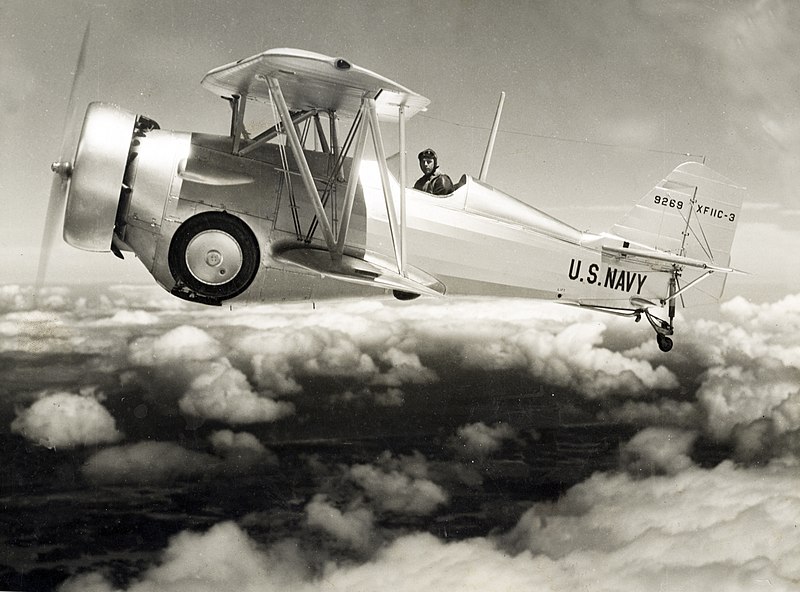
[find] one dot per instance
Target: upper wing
(313, 81)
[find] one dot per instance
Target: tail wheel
(664, 342)
(215, 255)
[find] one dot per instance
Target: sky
(603, 100)
(148, 443)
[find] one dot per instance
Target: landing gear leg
(665, 328)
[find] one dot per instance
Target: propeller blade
(71, 115)
(62, 169)
(52, 223)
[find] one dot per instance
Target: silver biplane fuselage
(232, 218)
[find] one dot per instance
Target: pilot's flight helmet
(428, 153)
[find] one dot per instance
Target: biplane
(308, 205)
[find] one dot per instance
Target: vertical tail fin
(693, 213)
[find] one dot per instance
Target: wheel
(664, 343)
(401, 295)
(214, 254)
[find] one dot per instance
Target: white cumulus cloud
(66, 420)
(480, 440)
(241, 448)
(184, 343)
(399, 486)
(658, 451)
(223, 392)
(354, 527)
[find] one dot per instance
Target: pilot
(432, 181)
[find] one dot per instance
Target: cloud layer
(727, 528)
(664, 520)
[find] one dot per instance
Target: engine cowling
(97, 175)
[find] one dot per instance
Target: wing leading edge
(313, 81)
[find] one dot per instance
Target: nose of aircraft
(95, 179)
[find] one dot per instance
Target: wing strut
(352, 185)
(238, 121)
(302, 163)
(402, 133)
(367, 120)
(380, 153)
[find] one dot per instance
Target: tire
(664, 343)
(215, 255)
(402, 295)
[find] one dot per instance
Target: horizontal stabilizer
(662, 261)
(375, 273)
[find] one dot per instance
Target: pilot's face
(426, 163)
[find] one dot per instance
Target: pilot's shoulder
(441, 184)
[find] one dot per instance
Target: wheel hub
(214, 257)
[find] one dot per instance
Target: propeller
(62, 169)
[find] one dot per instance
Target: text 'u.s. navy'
(615, 279)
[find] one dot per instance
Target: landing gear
(664, 328)
(402, 295)
(664, 342)
(213, 256)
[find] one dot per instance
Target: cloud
(776, 318)
(391, 397)
(339, 345)
(694, 521)
(568, 354)
(354, 527)
(655, 451)
(479, 440)
(733, 396)
(157, 462)
(723, 529)
(742, 381)
(223, 392)
(403, 368)
(226, 442)
(241, 448)
(570, 358)
(399, 485)
(133, 317)
(225, 557)
(280, 355)
(148, 462)
(14, 298)
(181, 344)
(66, 420)
(685, 414)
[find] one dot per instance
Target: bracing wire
(562, 139)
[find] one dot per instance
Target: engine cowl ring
(96, 175)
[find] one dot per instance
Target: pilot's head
(428, 161)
